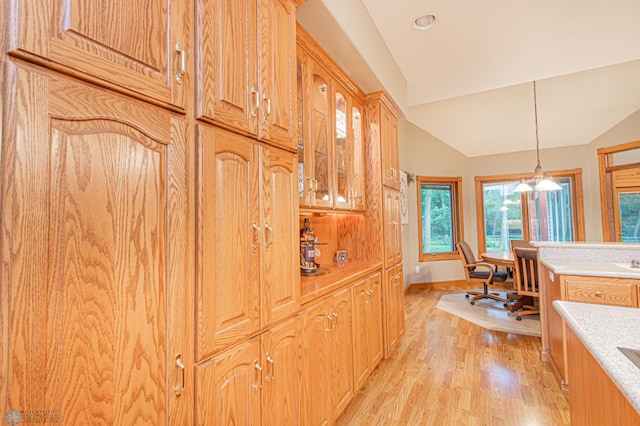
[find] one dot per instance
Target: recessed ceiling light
(424, 22)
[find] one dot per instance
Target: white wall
(425, 155)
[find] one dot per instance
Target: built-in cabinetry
(245, 68)
(142, 51)
(151, 183)
(389, 140)
(256, 380)
(331, 152)
(368, 347)
(576, 288)
(248, 278)
(95, 212)
(328, 352)
(392, 230)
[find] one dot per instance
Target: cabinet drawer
(617, 294)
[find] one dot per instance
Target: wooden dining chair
(474, 275)
(526, 280)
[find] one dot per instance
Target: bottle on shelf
(307, 248)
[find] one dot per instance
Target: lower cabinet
(393, 308)
(327, 355)
(252, 382)
(594, 398)
(367, 328)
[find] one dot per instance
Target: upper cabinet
(330, 135)
(389, 146)
(315, 155)
(245, 67)
(132, 47)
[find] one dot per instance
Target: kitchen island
(605, 383)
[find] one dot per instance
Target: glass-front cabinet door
(304, 184)
(342, 150)
(321, 181)
(357, 158)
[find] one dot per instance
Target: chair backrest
(519, 243)
(526, 271)
(467, 256)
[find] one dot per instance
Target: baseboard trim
(434, 284)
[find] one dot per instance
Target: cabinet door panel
(281, 279)
(278, 52)
(125, 43)
(92, 220)
(374, 321)
(227, 76)
(361, 300)
(230, 235)
(315, 397)
(282, 348)
(341, 350)
(229, 387)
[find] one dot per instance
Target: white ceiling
(468, 80)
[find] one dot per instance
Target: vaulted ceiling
(468, 80)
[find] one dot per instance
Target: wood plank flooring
(448, 371)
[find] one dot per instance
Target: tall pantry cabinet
(96, 246)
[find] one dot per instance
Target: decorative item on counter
(307, 248)
(341, 256)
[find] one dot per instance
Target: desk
(499, 258)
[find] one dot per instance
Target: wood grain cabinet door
(230, 237)
(282, 352)
(95, 287)
(230, 385)
(129, 45)
(341, 353)
(315, 364)
(361, 301)
(280, 294)
(227, 86)
(278, 71)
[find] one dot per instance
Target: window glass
(551, 213)
(439, 212)
(502, 215)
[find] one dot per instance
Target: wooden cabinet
(245, 68)
(247, 235)
(367, 328)
(389, 141)
(608, 291)
(315, 154)
(137, 47)
(257, 380)
(327, 359)
(392, 200)
(585, 289)
(393, 308)
(349, 153)
(594, 399)
(95, 217)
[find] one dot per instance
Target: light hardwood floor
(449, 371)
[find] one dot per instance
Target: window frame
(576, 199)
(457, 215)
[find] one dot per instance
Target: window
(620, 192)
(533, 216)
(440, 213)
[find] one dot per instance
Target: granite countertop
(602, 329)
(591, 268)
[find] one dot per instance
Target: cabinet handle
(179, 388)
(256, 102)
(310, 179)
(599, 294)
(330, 318)
(259, 368)
(270, 229)
(273, 367)
(257, 228)
(183, 63)
(268, 113)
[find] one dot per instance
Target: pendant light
(542, 182)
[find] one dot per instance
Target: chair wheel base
(472, 302)
(519, 318)
(466, 295)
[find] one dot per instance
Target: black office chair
(473, 275)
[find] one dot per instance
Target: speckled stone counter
(590, 259)
(602, 329)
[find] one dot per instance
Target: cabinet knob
(268, 113)
(259, 368)
(180, 387)
(599, 294)
(256, 102)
